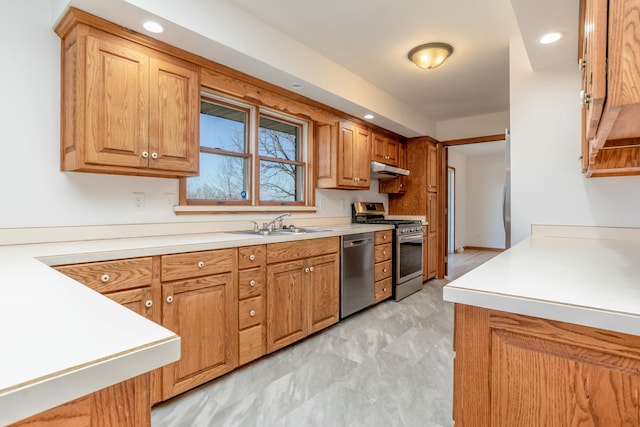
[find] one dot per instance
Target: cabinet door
(174, 115)
(140, 300)
(204, 313)
(323, 291)
(362, 157)
(286, 304)
(432, 167)
(432, 256)
(116, 102)
(346, 150)
(432, 212)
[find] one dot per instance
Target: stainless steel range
(407, 246)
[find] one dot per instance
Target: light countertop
(582, 275)
(62, 340)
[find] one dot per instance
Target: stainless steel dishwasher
(357, 279)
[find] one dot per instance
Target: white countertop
(61, 340)
(583, 275)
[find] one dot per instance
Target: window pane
(222, 127)
(278, 140)
(280, 182)
(221, 178)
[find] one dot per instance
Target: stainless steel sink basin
(281, 232)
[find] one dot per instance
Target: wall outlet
(138, 201)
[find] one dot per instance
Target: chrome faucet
(271, 225)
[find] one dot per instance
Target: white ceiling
(351, 54)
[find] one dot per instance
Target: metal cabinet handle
(384, 237)
(306, 270)
(384, 270)
(384, 252)
(311, 269)
(252, 257)
(154, 155)
(169, 299)
(145, 155)
(384, 289)
(104, 278)
(201, 264)
(252, 283)
(252, 313)
(148, 303)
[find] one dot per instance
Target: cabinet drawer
(250, 312)
(287, 251)
(111, 276)
(383, 252)
(382, 289)
(250, 283)
(251, 344)
(382, 270)
(382, 237)
(194, 264)
(251, 256)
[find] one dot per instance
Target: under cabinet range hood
(382, 171)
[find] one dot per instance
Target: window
(238, 139)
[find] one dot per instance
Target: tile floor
(390, 365)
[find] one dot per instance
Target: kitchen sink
(289, 231)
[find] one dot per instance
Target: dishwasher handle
(354, 243)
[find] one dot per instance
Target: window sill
(227, 209)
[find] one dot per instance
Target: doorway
(451, 211)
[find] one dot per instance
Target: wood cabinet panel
(381, 237)
(250, 283)
(194, 264)
(383, 289)
(110, 276)
(251, 344)
(204, 313)
(383, 252)
(518, 370)
(287, 308)
(382, 270)
(252, 256)
(323, 291)
(250, 312)
(384, 149)
(286, 251)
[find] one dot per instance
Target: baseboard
(481, 248)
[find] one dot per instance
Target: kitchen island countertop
(57, 345)
(583, 275)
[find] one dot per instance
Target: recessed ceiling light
(550, 37)
(153, 27)
(296, 86)
(369, 116)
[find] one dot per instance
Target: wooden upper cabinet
(610, 63)
(344, 153)
(126, 108)
(384, 149)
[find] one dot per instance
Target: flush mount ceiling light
(550, 37)
(369, 116)
(153, 27)
(430, 55)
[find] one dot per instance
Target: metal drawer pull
(306, 270)
(148, 303)
(384, 252)
(384, 270)
(310, 268)
(384, 237)
(252, 313)
(384, 289)
(105, 278)
(201, 264)
(252, 257)
(252, 283)
(169, 299)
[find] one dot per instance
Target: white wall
(546, 182)
(484, 191)
(459, 162)
(34, 191)
(469, 127)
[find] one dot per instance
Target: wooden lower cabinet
(203, 312)
(514, 370)
(123, 404)
(303, 294)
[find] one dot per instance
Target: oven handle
(404, 239)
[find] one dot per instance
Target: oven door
(408, 257)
